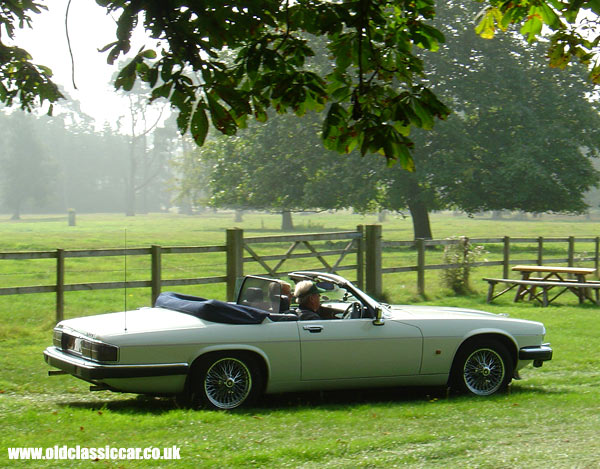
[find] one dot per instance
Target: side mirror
(378, 321)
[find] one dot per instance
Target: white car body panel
(372, 352)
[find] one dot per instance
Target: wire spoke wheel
(484, 372)
(227, 383)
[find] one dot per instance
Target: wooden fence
(234, 248)
(421, 245)
(366, 244)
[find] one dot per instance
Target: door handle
(313, 329)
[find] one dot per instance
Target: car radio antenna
(125, 280)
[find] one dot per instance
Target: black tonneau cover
(211, 310)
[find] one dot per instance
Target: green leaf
(532, 27)
(549, 16)
(236, 100)
(595, 74)
(221, 119)
(486, 27)
(424, 114)
(149, 54)
(126, 77)
(199, 125)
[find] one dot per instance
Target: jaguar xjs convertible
(222, 355)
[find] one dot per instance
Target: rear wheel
(226, 381)
(482, 368)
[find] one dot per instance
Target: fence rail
(366, 244)
(421, 244)
(234, 265)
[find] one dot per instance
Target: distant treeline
(52, 164)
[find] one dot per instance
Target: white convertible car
(222, 355)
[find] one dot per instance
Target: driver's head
(307, 295)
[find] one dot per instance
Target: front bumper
(538, 353)
(89, 370)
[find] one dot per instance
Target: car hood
(438, 312)
(103, 326)
(443, 320)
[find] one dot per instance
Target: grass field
(549, 419)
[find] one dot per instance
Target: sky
(90, 29)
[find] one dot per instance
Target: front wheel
(482, 368)
(226, 381)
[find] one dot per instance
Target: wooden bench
(529, 286)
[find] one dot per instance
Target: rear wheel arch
(258, 359)
(249, 362)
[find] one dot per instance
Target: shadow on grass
(127, 404)
(326, 400)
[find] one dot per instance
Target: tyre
(226, 381)
(482, 368)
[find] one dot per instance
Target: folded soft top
(211, 310)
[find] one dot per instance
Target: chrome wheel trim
(484, 372)
(227, 383)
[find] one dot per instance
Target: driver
(308, 296)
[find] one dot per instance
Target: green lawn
(549, 419)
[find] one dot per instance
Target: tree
(502, 149)
(520, 139)
(144, 164)
(376, 93)
(574, 28)
(27, 171)
(279, 166)
(20, 80)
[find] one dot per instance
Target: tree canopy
(278, 166)
(522, 138)
(22, 81)
(222, 63)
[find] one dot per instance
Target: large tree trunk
(287, 223)
(130, 201)
(419, 212)
(16, 209)
(420, 219)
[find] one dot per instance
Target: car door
(356, 348)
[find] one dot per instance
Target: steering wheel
(353, 311)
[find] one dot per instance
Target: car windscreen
(330, 292)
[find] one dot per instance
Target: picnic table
(557, 278)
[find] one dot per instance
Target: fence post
(60, 285)
(571, 251)
(466, 262)
(373, 260)
(597, 256)
(540, 256)
(360, 258)
(235, 259)
(156, 272)
(506, 259)
(420, 243)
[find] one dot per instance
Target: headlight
(57, 338)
